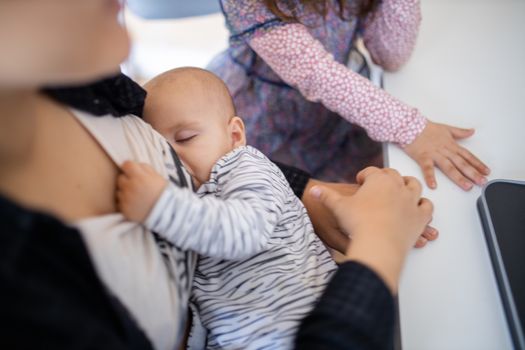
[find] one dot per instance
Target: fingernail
(315, 191)
(483, 180)
(433, 185)
(487, 171)
(467, 185)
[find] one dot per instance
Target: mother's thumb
(325, 195)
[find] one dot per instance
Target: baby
(262, 267)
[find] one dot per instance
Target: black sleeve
(51, 296)
(296, 177)
(356, 311)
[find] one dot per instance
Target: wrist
(380, 255)
(156, 206)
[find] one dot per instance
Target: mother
(55, 176)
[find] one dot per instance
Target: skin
(50, 162)
(330, 231)
(438, 146)
(385, 200)
(75, 41)
(198, 125)
(182, 109)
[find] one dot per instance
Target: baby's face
(199, 136)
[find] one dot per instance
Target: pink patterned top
(302, 62)
(299, 102)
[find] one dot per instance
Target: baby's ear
(238, 135)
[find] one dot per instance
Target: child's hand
(138, 188)
(437, 145)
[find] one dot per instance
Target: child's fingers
(449, 169)
(466, 168)
(421, 242)
(475, 161)
(429, 173)
(460, 133)
(430, 233)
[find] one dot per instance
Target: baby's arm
(138, 188)
(235, 227)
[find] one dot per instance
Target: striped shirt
(262, 267)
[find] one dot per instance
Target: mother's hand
(325, 223)
(385, 215)
(323, 219)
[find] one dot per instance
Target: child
(262, 267)
(286, 68)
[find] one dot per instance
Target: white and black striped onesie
(262, 267)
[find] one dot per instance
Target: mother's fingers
(366, 172)
(414, 185)
(427, 208)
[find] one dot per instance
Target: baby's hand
(138, 188)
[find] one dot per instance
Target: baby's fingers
(122, 182)
(130, 167)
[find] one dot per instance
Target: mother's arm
(385, 216)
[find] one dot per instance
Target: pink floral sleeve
(390, 32)
(301, 61)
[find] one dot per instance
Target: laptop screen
(505, 202)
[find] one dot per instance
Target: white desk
(468, 69)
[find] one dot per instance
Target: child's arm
(391, 31)
(236, 227)
(302, 61)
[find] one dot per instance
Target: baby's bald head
(196, 86)
(194, 111)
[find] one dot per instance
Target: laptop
(501, 207)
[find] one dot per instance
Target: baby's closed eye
(185, 136)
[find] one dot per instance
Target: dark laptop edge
(499, 271)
